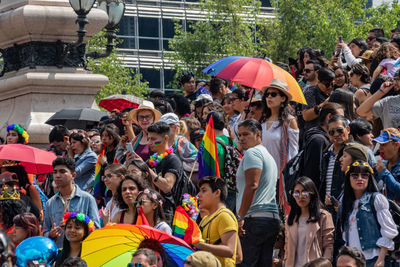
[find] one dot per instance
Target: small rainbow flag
(184, 227)
(97, 176)
(207, 157)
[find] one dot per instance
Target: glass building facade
(145, 30)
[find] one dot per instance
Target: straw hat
(279, 85)
(146, 105)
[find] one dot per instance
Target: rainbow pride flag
(97, 176)
(207, 157)
(184, 227)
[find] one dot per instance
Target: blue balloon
(37, 248)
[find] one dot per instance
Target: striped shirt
(329, 172)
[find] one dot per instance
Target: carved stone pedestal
(36, 82)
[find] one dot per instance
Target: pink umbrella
(34, 160)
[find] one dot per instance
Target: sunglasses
(95, 142)
(338, 130)
(140, 202)
(371, 38)
(307, 70)
(301, 194)
(355, 176)
(339, 76)
(273, 94)
(105, 177)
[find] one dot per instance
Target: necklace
(155, 159)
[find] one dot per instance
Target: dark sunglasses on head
(338, 130)
(307, 70)
(273, 94)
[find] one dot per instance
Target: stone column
(35, 81)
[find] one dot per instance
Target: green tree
(121, 79)
(228, 29)
(319, 23)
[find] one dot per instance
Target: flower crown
(356, 163)
(152, 195)
(80, 217)
(19, 130)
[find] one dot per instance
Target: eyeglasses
(140, 202)
(339, 76)
(273, 94)
(355, 176)
(95, 142)
(147, 118)
(337, 130)
(307, 70)
(303, 194)
(105, 177)
(187, 262)
(371, 38)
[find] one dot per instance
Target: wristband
(156, 179)
(381, 90)
(316, 110)
(239, 219)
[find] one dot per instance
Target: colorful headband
(356, 163)
(152, 195)
(80, 217)
(19, 130)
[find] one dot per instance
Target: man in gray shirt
(256, 205)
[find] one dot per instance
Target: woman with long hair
(347, 99)
(85, 159)
(359, 77)
(309, 228)
(239, 101)
(16, 135)
(365, 219)
(25, 225)
(77, 227)
(127, 192)
(150, 201)
(342, 79)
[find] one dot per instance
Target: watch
(316, 109)
(156, 179)
(239, 218)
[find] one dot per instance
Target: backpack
(231, 163)
(293, 170)
(394, 210)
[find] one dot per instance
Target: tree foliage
(121, 79)
(234, 27)
(228, 29)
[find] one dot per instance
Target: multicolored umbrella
(34, 160)
(113, 245)
(120, 102)
(255, 73)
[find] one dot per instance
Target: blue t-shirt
(258, 157)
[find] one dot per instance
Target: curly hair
(10, 208)
(361, 70)
(387, 50)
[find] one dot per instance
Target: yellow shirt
(217, 224)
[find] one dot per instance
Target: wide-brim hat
(146, 105)
(279, 85)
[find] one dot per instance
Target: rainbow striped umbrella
(113, 245)
(255, 73)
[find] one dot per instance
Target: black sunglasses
(338, 130)
(273, 94)
(307, 70)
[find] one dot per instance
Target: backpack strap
(217, 242)
(371, 203)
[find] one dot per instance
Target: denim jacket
(81, 201)
(85, 165)
(392, 181)
(367, 226)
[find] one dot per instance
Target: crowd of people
(335, 209)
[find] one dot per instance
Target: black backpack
(293, 170)
(231, 163)
(394, 210)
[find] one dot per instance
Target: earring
(282, 105)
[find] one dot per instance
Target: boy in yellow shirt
(220, 228)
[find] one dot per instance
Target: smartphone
(129, 146)
(340, 39)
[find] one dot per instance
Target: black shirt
(314, 96)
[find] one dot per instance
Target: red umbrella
(120, 102)
(34, 160)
